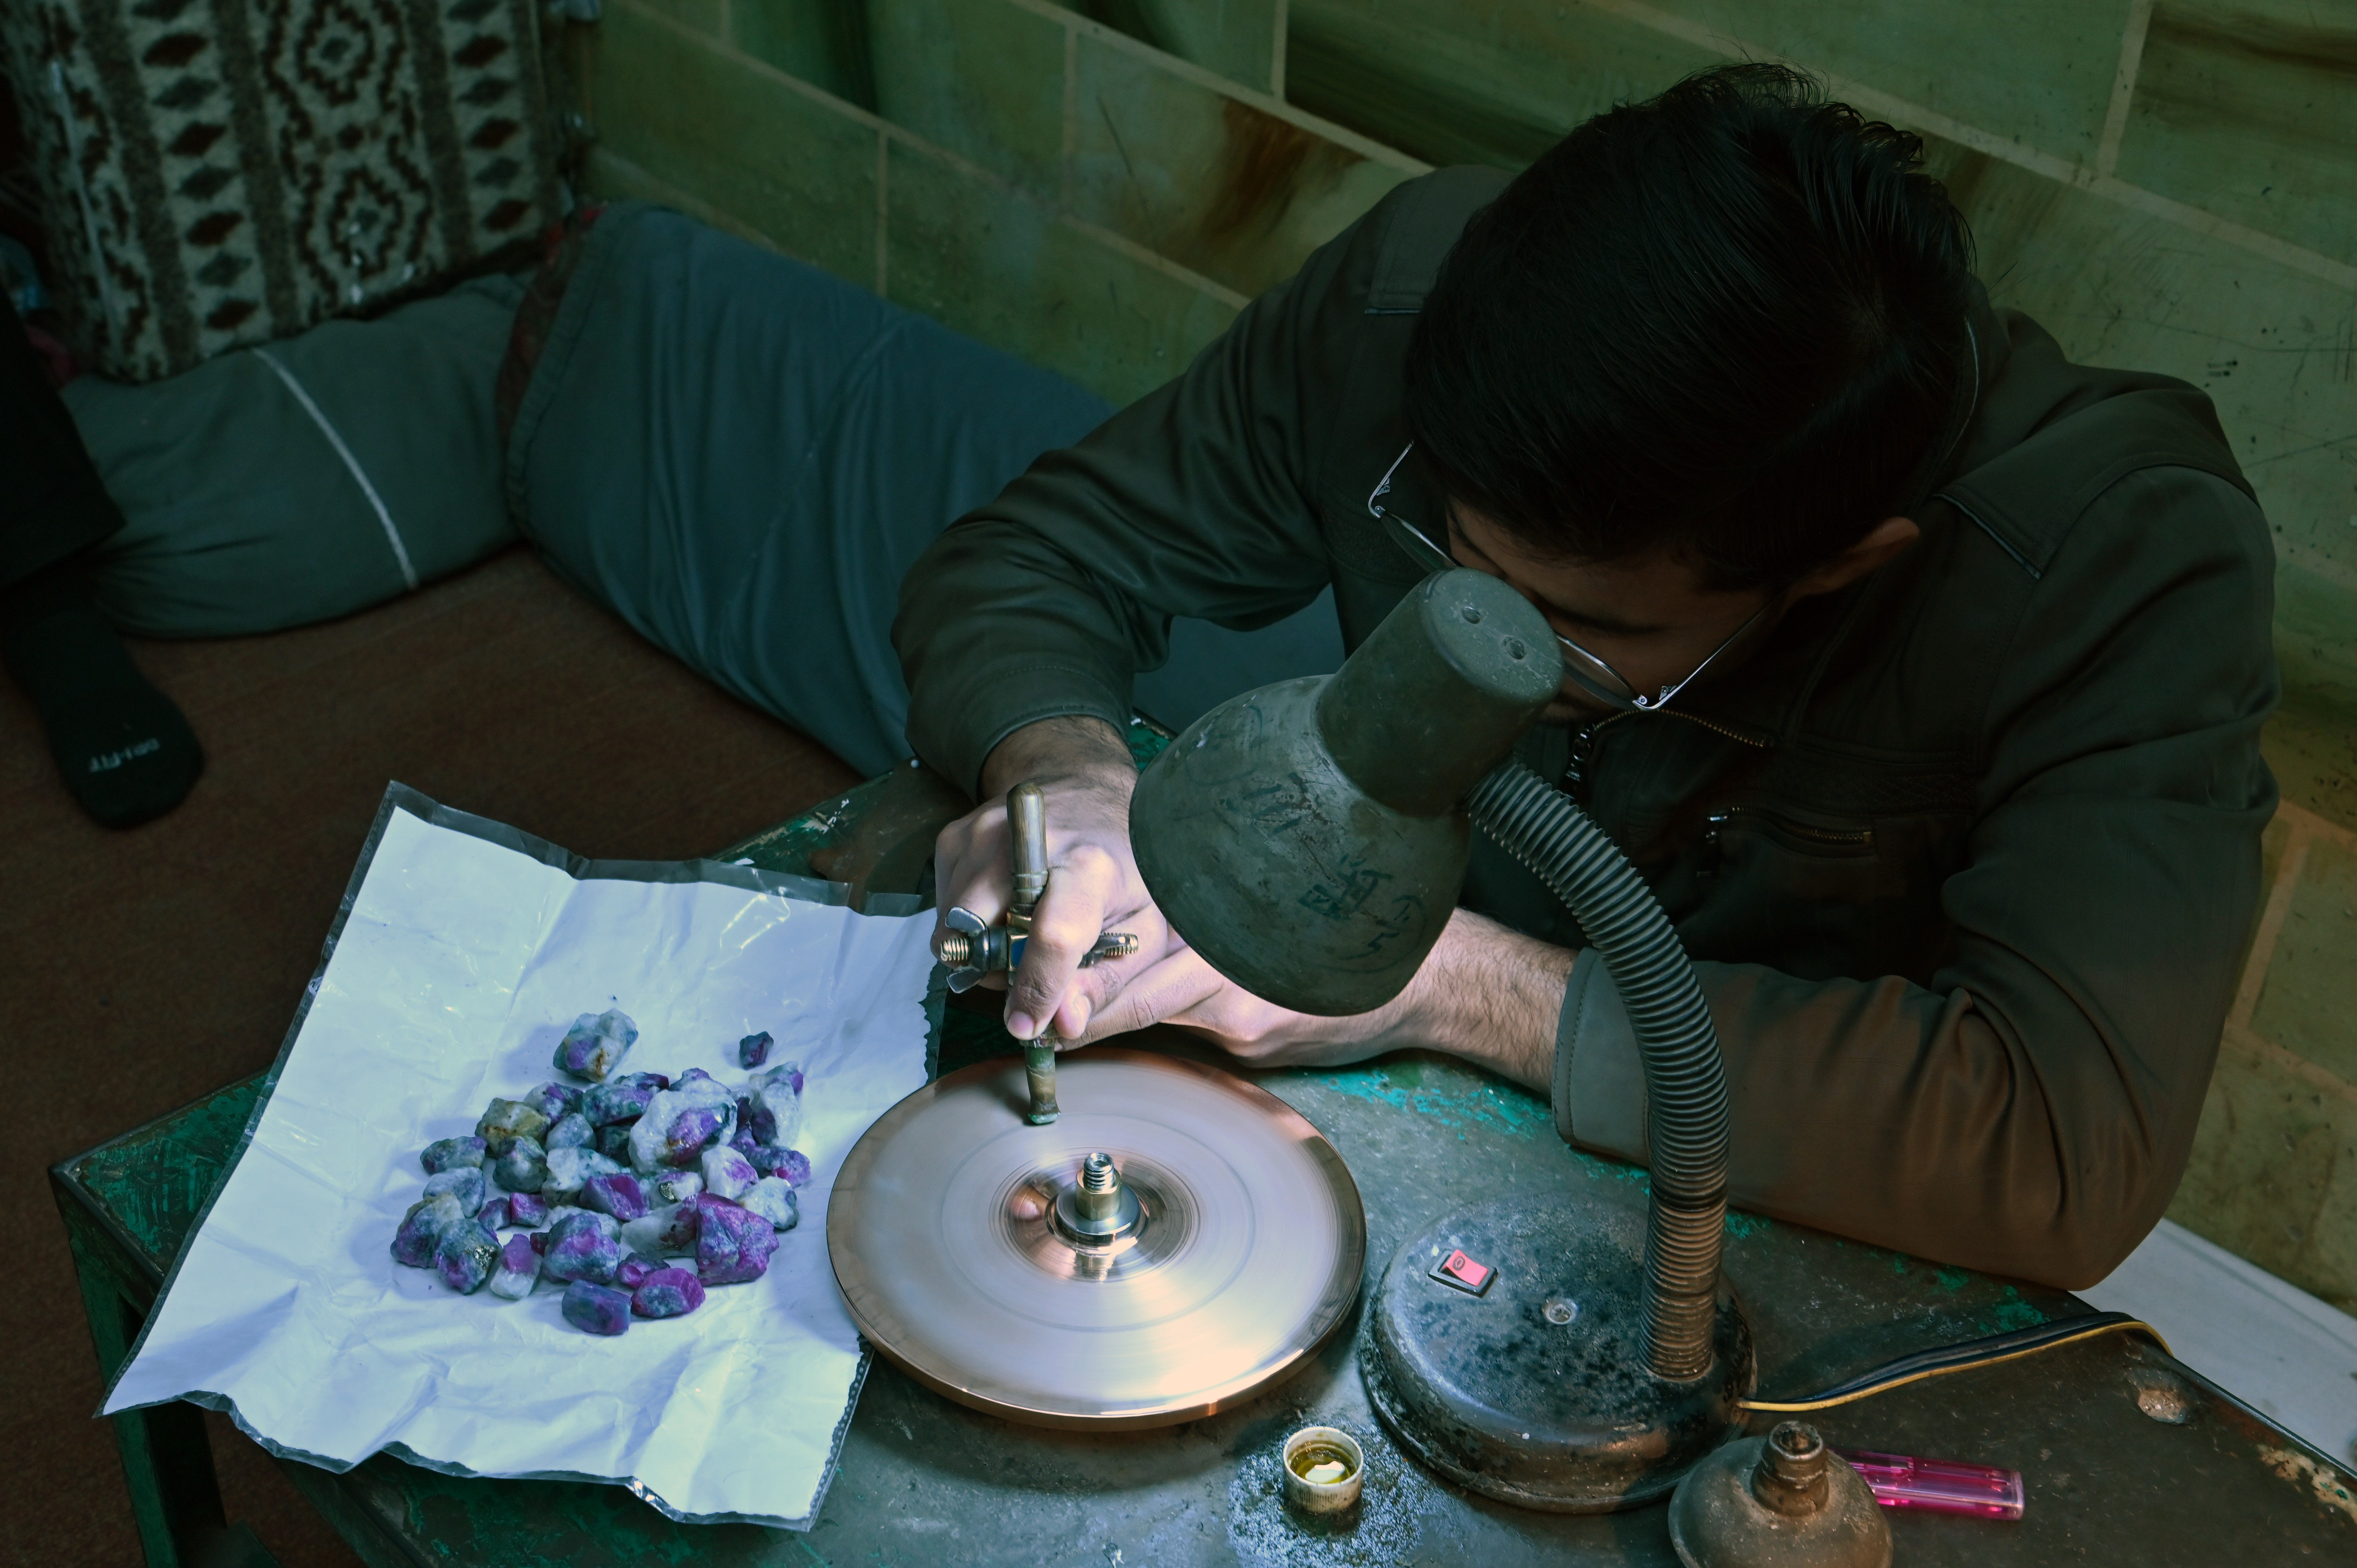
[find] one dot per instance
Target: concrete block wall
(1099, 186)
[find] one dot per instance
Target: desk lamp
(1309, 840)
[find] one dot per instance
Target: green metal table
(2200, 1479)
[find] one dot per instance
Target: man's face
(1650, 620)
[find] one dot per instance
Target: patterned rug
(224, 172)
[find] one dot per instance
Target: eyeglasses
(1593, 672)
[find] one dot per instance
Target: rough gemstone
(508, 1120)
(444, 1152)
(465, 1257)
(595, 1044)
(524, 1167)
(687, 1082)
(754, 1050)
(571, 1131)
(494, 1215)
(421, 1229)
(752, 1121)
(728, 1174)
(616, 1194)
(569, 1171)
(464, 1183)
(663, 1233)
(668, 1293)
(582, 1246)
(614, 1140)
(527, 1209)
(636, 1267)
(621, 1099)
(773, 1200)
(679, 1122)
(518, 1267)
(791, 1164)
(539, 1240)
(732, 1243)
(673, 1186)
(554, 1101)
(778, 1092)
(596, 1309)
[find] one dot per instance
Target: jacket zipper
(1582, 743)
(1713, 852)
(1847, 838)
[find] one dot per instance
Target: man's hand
(1485, 993)
(1082, 766)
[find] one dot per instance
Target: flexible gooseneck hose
(1685, 1085)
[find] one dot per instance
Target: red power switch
(1462, 1272)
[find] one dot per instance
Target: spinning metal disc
(975, 1256)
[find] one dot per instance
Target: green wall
(1099, 187)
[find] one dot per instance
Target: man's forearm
(1072, 747)
(1488, 995)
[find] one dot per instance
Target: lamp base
(1534, 1390)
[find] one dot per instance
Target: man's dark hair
(1728, 321)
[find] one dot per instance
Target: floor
(139, 970)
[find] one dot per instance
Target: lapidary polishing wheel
(1210, 1255)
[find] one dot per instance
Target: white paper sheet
(457, 969)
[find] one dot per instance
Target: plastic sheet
(463, 951)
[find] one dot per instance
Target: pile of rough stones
(631, 1171)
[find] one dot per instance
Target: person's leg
(743, 456)
(121, 748)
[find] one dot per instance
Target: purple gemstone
(444, 1152)
(596, 1309)
(554, 1101)
(539, 1240)
(732, 1243)
(695, 1129)
(582, 1246)
(621, 1099)
(693, 1075)
(527, 1209)
(518, 1268)
(619, 1195)
(668, 1293)
(421, 1230)
(495, 1215)
(755, 1122)
(595, 1045)
(754, 1050)
(635, 1268)
(465, 1257)
(791, 1164)
(728, 1174)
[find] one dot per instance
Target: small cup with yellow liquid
(1323, 1468)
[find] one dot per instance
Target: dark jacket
(1965, 854)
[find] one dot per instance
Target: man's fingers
(1069, 919)
(973, 868)
(1166, 990)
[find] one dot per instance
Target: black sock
(122, 746)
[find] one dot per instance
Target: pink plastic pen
(1939, 1486)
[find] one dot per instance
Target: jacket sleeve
(1194, 500)
(2032, 1111)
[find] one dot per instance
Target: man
(1919, 671)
